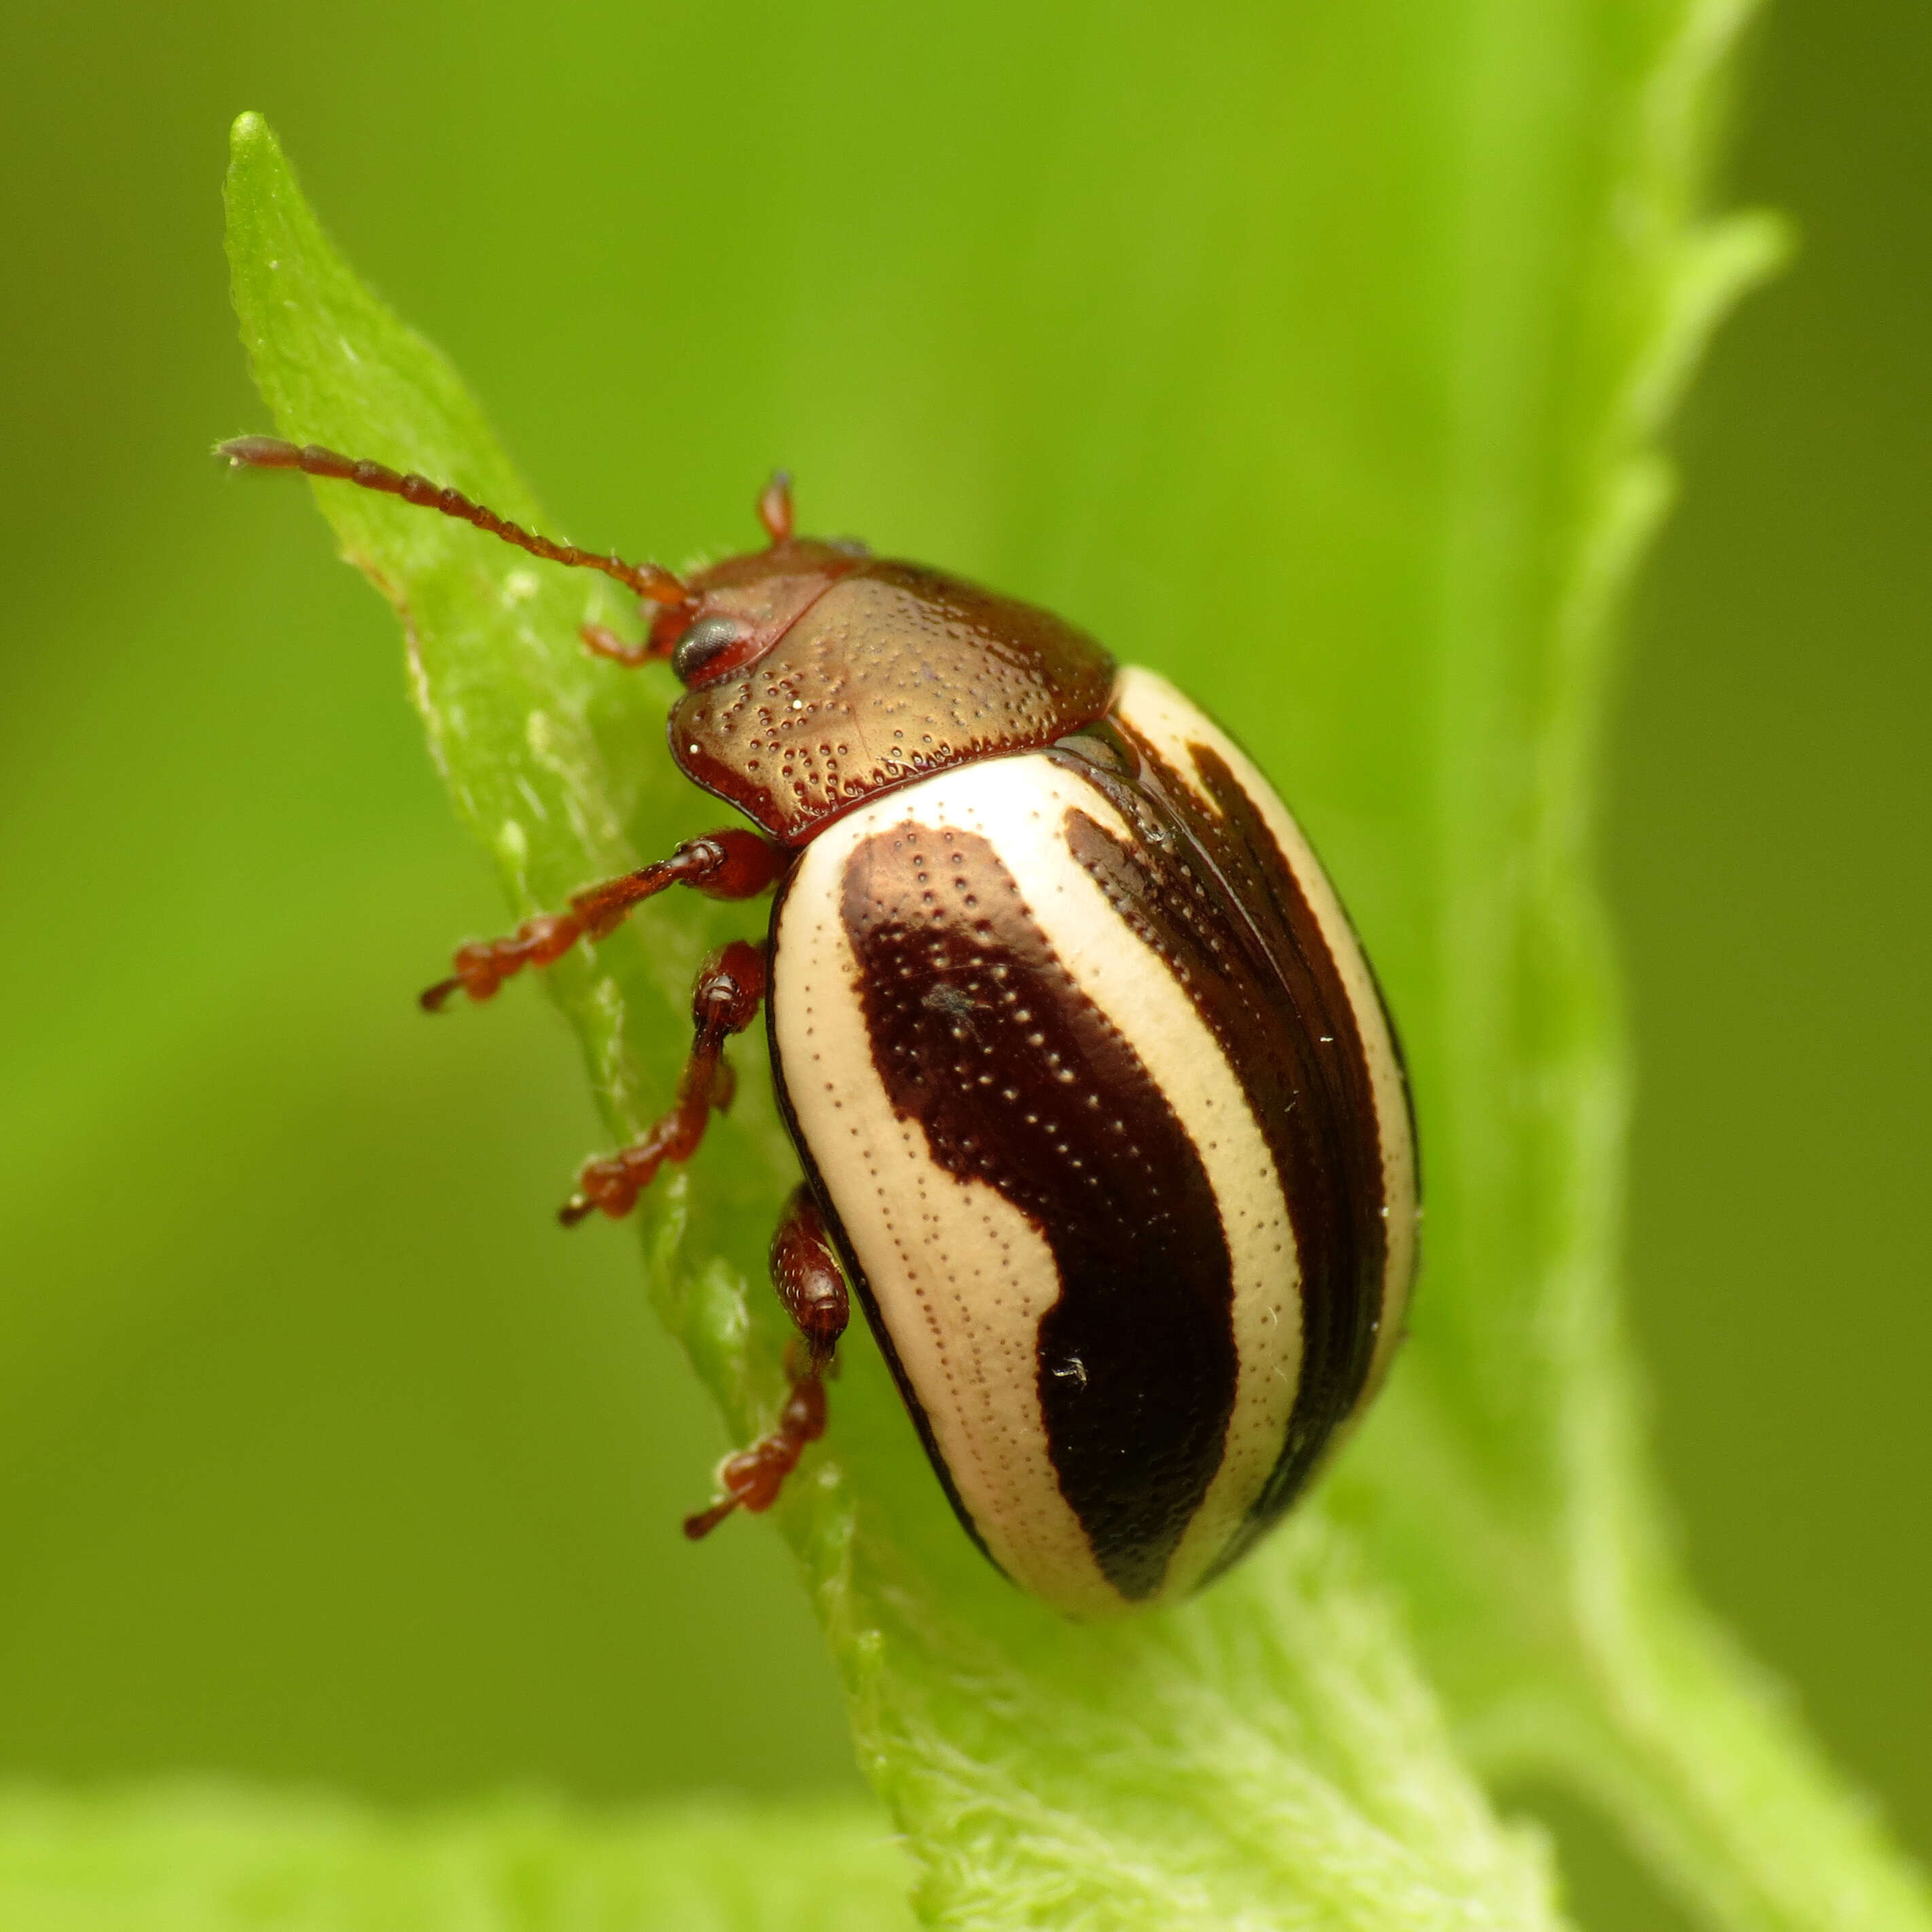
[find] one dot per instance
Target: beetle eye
(702, 643)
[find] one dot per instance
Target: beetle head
(734, 612)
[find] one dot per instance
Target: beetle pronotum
(1098, 1109)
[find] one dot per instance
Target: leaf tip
(258, 175)
(250, 135)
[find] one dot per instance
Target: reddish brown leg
(775, 507)
(733, 864)
(730, 984)
(602, 641)
(805, 1273)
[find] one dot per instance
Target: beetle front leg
(603, 642)
(733, 864)
(730, 984)
(805, 1273)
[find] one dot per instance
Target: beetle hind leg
(805, 1273)
(730, 986)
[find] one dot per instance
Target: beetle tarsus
(733, 864)
(730, 986)
(752, 1479)
(700, 1525)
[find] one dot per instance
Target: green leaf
(211, 1858)
(1470, 351)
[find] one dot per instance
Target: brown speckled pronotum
(1099, 1108)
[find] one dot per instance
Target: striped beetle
(1099, 1108)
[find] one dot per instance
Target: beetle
(1099, 1109)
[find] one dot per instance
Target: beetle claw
(432, 999)
(753, 1478)
(698, 1526)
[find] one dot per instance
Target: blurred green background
(323, 1455)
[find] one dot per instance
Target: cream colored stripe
(1170, 723)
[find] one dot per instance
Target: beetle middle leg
(733, 864)
(805, 1273)
(725, 1001)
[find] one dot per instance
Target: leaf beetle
(1100, 1110)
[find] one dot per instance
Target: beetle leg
(733, 864)
(730, 984)
(604, 642)
(805, 1273)
(752, 1479)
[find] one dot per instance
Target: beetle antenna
(649, 580)
(774, 506)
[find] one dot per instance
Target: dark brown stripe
(1019, 1081)
(1212, 893)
